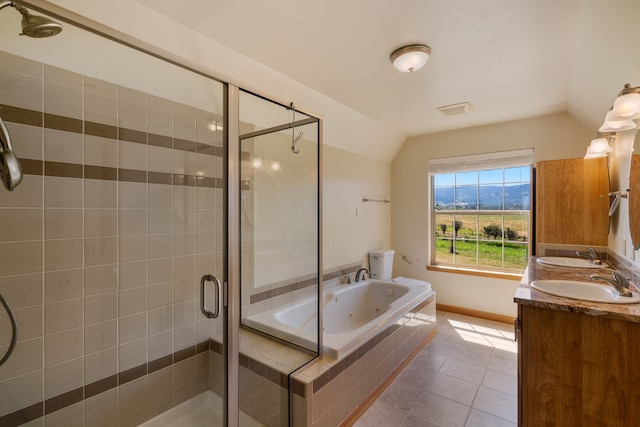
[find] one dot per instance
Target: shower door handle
(216, 283)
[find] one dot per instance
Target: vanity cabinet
(572, 202)
(577, 369)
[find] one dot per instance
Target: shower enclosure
(142, 213)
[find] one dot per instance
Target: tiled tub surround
(327, 391)
(101, 246)
(295, 289)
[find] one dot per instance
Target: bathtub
(352, 313)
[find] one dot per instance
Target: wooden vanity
(578, 362)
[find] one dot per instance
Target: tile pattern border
(300, 283)
(69, 398)
(74, 170)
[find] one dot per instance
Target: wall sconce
(410, 58)
(627, 104)
(614, 123)
(626, 108)
(599, 146)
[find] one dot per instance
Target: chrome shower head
(10, 170)
(35, 25)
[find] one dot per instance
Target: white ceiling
(509, 58)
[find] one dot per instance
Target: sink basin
(586, 291)
(569, 262)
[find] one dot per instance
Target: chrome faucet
(362, 271)
(618, 280)
(591, 255)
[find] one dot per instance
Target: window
(481, 211)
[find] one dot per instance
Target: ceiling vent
(455, 109)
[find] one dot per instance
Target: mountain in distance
(516, 197)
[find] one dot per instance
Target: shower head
(10, 170)
(39, 26)
(35, 25)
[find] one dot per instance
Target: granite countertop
(527, 296)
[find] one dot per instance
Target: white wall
(352, 228)
(554, 136)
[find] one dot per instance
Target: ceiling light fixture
(410, 58)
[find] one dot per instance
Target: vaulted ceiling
(510, 59)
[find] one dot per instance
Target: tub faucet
(362, 271)
(591, 255)
(618, 280)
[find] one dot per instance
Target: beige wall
(352, 228)
(552, 137)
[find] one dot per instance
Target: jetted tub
(353, 314)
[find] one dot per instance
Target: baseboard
(476, 313)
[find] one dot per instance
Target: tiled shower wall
(101, 246)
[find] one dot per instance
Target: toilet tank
(381, 264)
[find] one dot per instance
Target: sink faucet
(591, 255)
(362, 271)
(618, 280)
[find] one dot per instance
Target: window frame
(498, 160)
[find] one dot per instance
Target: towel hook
(294, 139)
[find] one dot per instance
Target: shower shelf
(385, 201)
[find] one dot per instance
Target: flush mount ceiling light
(410, 58)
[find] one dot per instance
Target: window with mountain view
(481, 218)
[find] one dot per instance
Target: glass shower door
(115, 233)
(280, 253)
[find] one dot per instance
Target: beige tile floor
(465, 376)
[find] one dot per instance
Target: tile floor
(465, 376)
